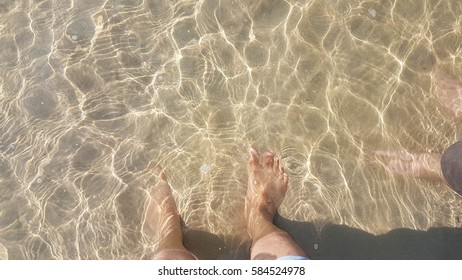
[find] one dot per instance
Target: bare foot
(418, 165)
(266, 190)
(449, 93)
(163, 221)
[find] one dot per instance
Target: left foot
(162, 216)
(418, 165)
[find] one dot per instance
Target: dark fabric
(451, 165)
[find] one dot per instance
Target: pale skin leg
(425, 165)
(266, 190)
(163, 219)
(419, 165)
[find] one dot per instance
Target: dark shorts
(451, 166)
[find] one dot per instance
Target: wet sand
(94, 94)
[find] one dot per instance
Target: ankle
(260, 224)
(174, 240)
(267, 230)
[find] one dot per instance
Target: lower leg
(274, 243)
(418, 165)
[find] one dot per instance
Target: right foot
(417, 165)
(449, 93)
(162, 216)
(266, 190)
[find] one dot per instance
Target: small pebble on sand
(205, 168)
(372, 12)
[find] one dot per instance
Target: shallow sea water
(94, 94)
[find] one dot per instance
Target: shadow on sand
(338, 242)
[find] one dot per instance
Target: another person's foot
(418, 165)
(449, 93)
(163, 221)
(266, 190)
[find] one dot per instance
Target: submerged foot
(162, 216)
(449, 93)
(266, 190)
(163, 221)
(418, 165)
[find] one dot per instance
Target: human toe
(276, 164)
(254, 158)
(268, 159)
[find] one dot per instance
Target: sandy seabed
(95, 94)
